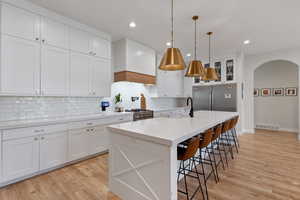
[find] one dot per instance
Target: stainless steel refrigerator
(217, 97)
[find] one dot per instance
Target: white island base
(143, 154)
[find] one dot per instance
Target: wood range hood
(134, 62)
(134, 77)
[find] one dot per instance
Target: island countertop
(173, 130)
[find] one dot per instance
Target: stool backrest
(217, 132)
(226, 126)
(206, 138)
(192, 147)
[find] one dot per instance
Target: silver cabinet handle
(43, 40)
(90, 123)
(92, 129)
(42, 138)
(37, 39)
(35, 139)
(87, 130)
(91, 53)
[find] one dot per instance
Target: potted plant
(118, 101)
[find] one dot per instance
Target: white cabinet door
(101, 77)
(98, 139)
(53, 150)
(80, 72)
(20, 23)
(20, 66)
(54, 71)
(20, 157)
(100, 47)
(54, 33)
(78, 144)
(80, 41)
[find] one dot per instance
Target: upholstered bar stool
(215, 147)
(233, 134)
(225, 137)
(186, 155)
(205, 140)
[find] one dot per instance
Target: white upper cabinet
(80, 75)
(20, 23)
(48, 56)
(101, 77)
(54, 71)
(80, 41)
(100, 47)
(54, 33)
(20, 66)
(83, 42)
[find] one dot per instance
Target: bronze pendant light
(210, 72)
(195, 68)
(172, 59)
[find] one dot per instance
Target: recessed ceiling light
(168, 44)
(188, 55)
(247, 42)
(132, 25)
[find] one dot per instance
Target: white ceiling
(269, 24)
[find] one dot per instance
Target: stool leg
(234, 140)
(229, 144)
(220, 153)
(204, 176)
(185, 183)
(200, 185)
(237, 139)
(215, 162)
(226, 159)
(212, 166)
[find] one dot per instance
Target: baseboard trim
(248, 131)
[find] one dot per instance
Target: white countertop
(171, 131)
(65, 119)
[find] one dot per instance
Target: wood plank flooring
(267, 168)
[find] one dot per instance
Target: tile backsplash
(18, 108)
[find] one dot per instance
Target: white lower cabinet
(78, 144)
(89, 141)
(53, 150)
(99, 140)
(20, 157)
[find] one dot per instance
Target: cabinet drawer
(103, 121)
(33, 131)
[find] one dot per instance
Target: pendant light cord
(195, 56)
(209, 49)
(172, 18)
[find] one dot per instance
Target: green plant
(118, 98)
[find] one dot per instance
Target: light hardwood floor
(267, 168)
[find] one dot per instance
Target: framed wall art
(291, 91)
(278, 92)
(266, 92)
(256, 92)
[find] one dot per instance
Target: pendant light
(172, 59)
(195, 68)
(210, 72)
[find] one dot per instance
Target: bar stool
(225, 137)
(234, 136)
(186, 152)
(215, 145)
(205, 140)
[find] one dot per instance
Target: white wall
(279, 111)
(129, 89)
(250, 64)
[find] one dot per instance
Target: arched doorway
(276, 103)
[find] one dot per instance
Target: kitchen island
(143, 154)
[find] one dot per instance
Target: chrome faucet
(192, 106)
